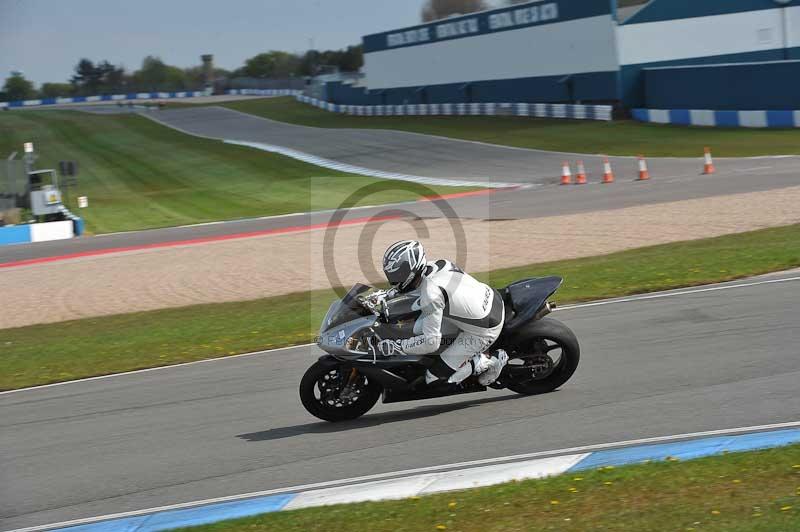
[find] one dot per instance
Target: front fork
(347, 390)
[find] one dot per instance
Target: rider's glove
(390, 348)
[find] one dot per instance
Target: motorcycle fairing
(526, 297)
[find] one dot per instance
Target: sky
(45, 38)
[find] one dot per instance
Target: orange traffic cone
(608, 175)
(566, 174)
(580, 177)
(708, 167)
(643, 172)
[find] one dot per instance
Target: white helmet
(403, 263)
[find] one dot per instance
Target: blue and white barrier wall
(538, 110)
(265, 92)
(711, 118)
(77, 221)
(105, 98)
(43, 232)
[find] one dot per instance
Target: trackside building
(714, 54)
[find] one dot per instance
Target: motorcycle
(353, 374)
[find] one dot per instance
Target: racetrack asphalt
(733, 177)
(410, 153)
(691, 361)
(418, 154)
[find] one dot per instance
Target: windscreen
(345, 309)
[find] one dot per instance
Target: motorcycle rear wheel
(320, 393)
(543, 337)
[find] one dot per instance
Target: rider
(453, 301)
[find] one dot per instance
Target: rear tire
(322, 376)
(530, 341)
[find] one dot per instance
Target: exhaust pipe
(546, 309)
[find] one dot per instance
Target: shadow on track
(373, 420)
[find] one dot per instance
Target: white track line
(660, 295)
(359, 170)
(516, 148)
(341, 167)
(680, 293)
(271, 217)
(408, 472)
(159, 368)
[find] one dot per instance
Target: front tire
(527, 372)
(321, 393)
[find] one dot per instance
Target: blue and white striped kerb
(426, 481)
(538, 110)
(710, 118)
(264, 92)
(105, 98)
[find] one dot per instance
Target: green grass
(69, 350)
(139, 174)
(737, 492)
(667, 266)
(624, 137)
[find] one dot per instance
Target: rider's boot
(488, 368)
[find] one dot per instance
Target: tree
(18, 88)
(56, 90)
(112, 78)
(87, 77)
(437, 9)
(196, 76)
(103, 77)
(308, 63)
(352, 59)
(155, 75)
(272, 64)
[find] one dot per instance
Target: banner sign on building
(519, 16)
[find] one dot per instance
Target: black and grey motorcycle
(346, 382)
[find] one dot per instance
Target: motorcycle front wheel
(333, 393)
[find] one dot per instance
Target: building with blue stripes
(724, 55)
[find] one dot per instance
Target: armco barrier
(538, 110)
(710, 118)
(105, 98)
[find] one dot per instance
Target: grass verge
(737, 492)
(139, 174)
(623, 137)
(69, 350)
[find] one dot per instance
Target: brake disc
(540, 366)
